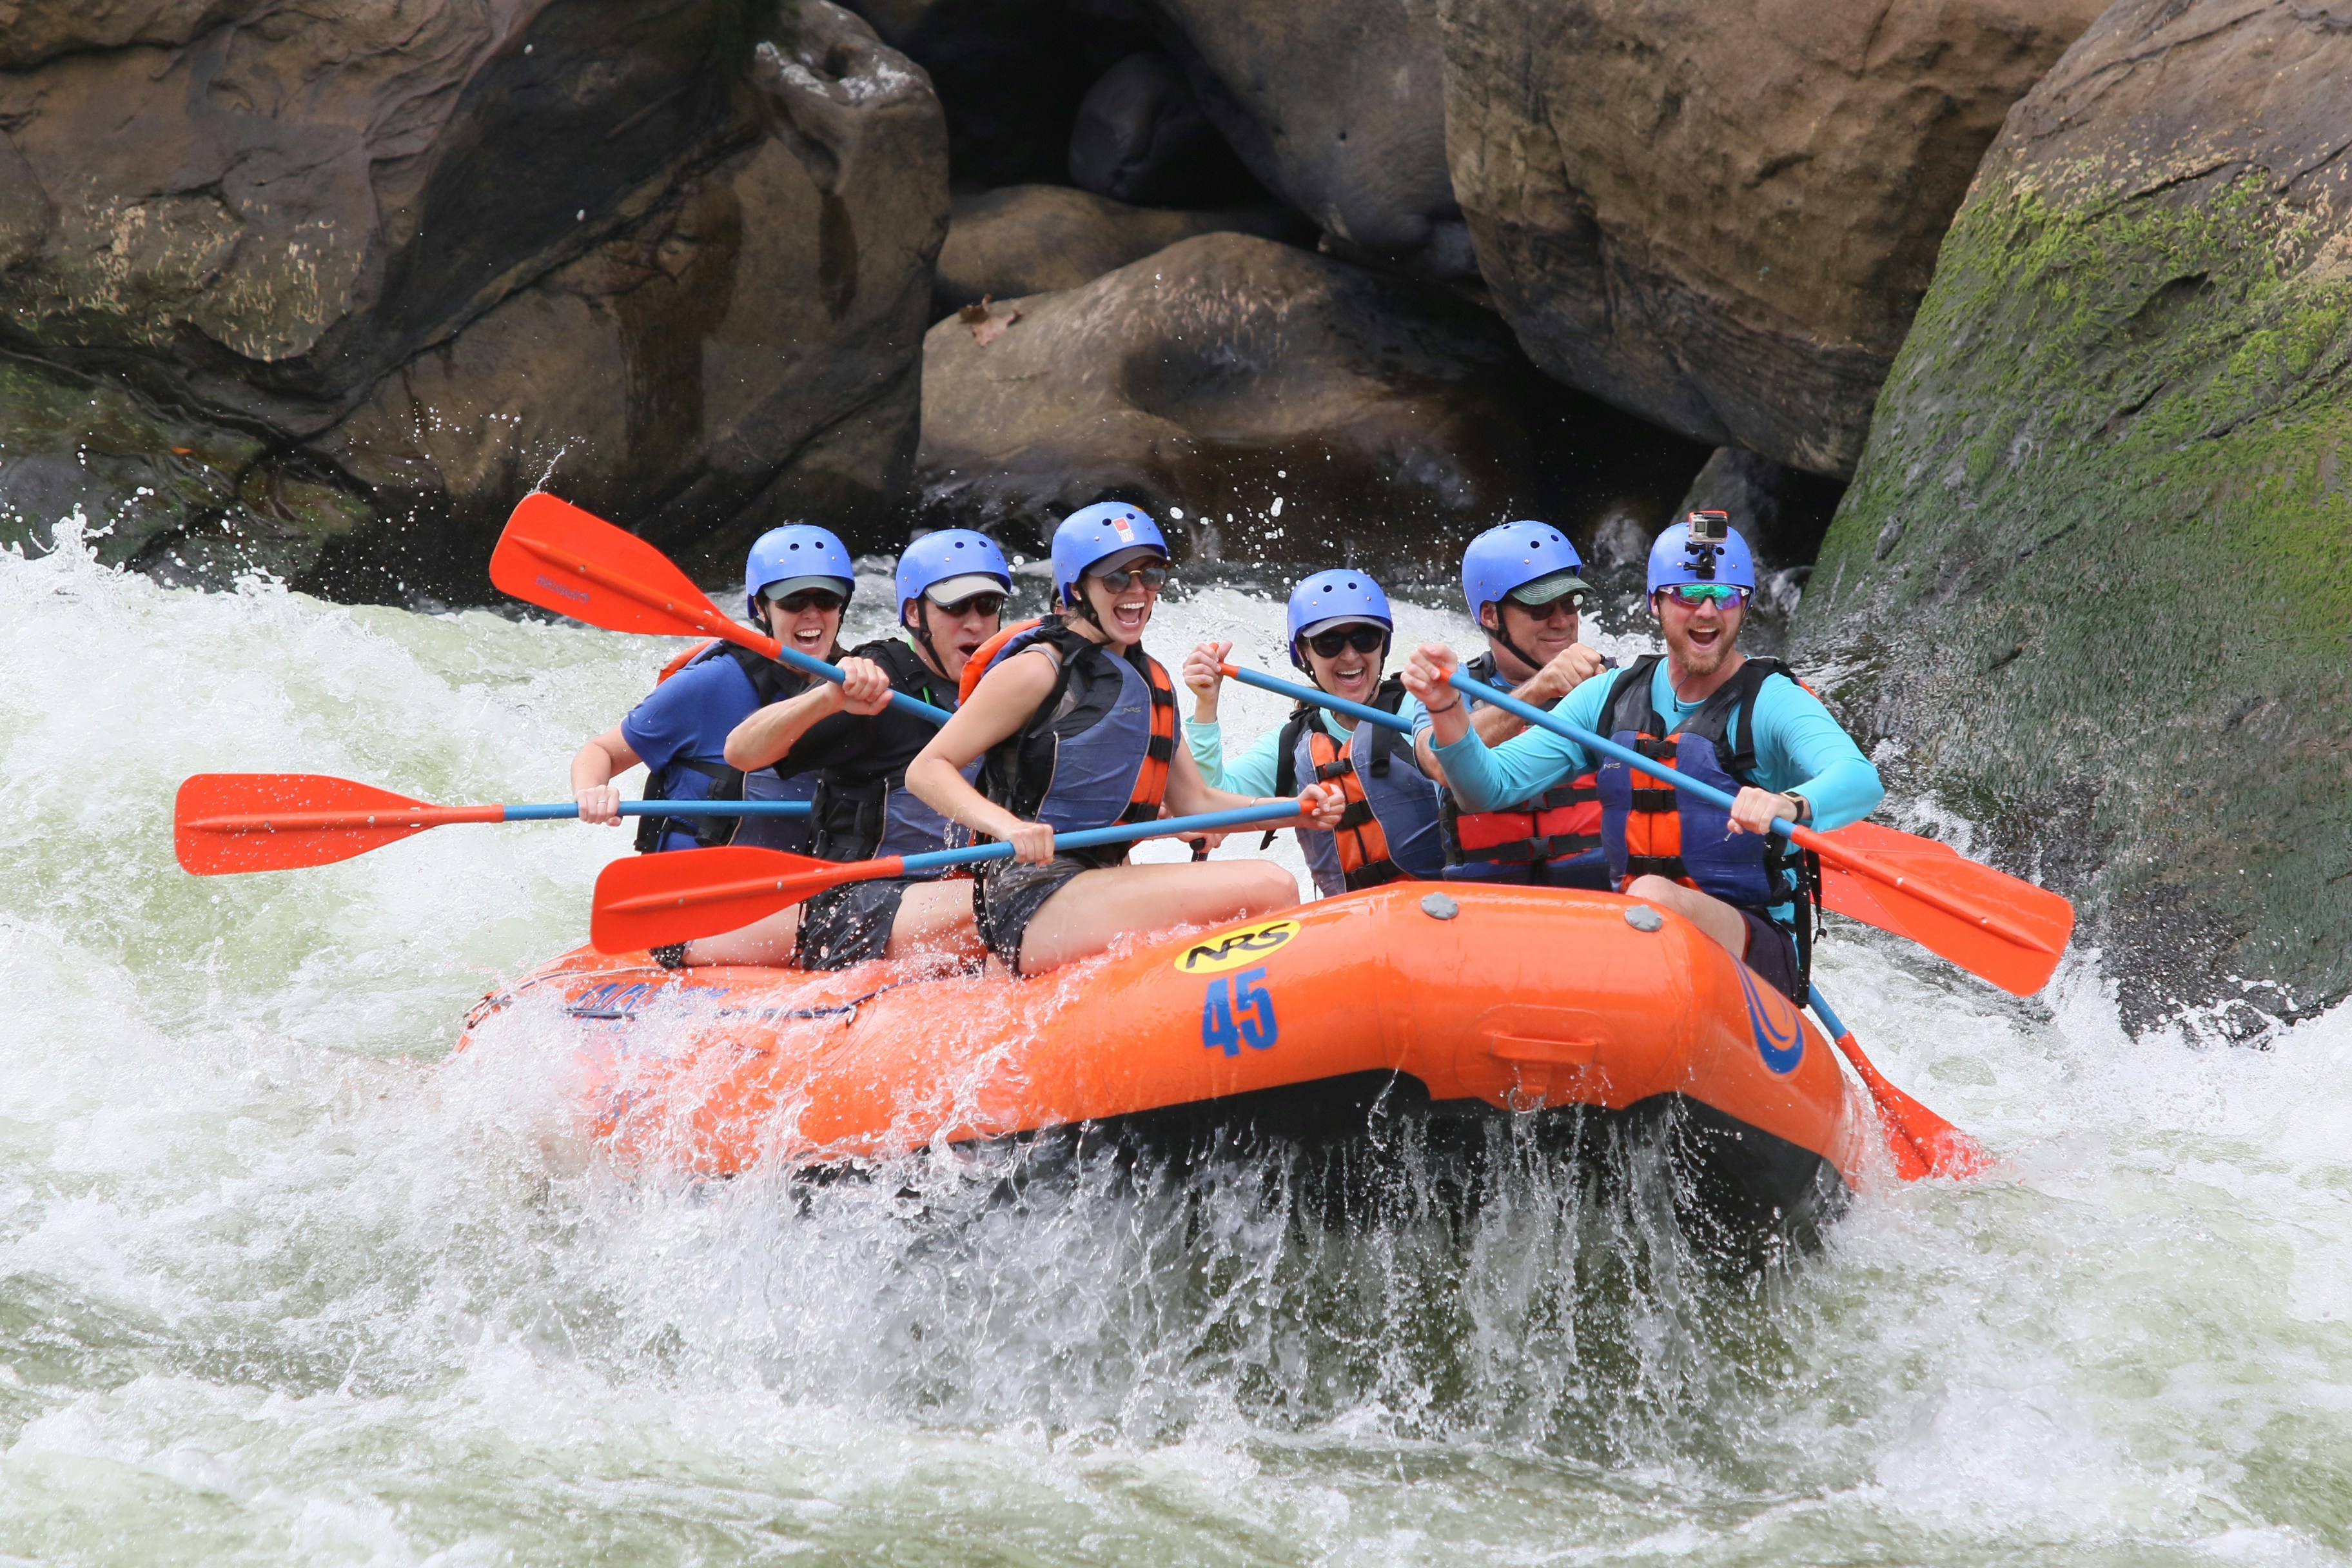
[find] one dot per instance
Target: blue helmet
(1336, 595)
(1676, 558)
(1512, 555)
(1094, 532)
(945, 556)
(795, 550)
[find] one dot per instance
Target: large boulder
(1721, 213)
(1339, 107)
(747, 354)
(1231, 376)
(1043, 240)
(2090, 578)
(289, 226)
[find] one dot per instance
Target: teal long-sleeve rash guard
(1254, 771)
(1800, 750)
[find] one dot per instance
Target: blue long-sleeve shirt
(1800, 750)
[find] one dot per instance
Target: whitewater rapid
(282, 1279)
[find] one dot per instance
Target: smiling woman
(1341, 626)
(1074, 725)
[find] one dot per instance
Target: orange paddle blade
(2012, 934)
(1923, 1144)
(556, 557)
(225, 823)
(649, 900)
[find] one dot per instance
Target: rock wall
(1721, 213)
(2090, 578)
(343, 283)
(1229, 374)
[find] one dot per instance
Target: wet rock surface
(1043, 240)
(1722, 214)
(1229, 374)
(272, 229)
(2089, 580)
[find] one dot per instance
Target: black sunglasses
(1117, 582)
(1362, 639)
(977, 604)
(800, 599)
(1572, 603)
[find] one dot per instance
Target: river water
(282, 1279)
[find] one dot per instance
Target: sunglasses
(1363, 639)
(1572, 603)
(800, 599)
(1691, 595)
(1117, 582)
(977, 604)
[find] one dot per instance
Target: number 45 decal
(1236, 1012)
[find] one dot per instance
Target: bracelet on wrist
(1447, 708)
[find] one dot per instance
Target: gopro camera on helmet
(1707, 532)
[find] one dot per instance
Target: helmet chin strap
(923, 634)
(1535, 666)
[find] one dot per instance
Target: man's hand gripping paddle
(651, 901)
(556, 557)
(225, 823)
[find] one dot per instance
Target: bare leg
(769, 941)
(935, 920)
(1095, 907)
(1711, 915)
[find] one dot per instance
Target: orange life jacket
(1364, 857)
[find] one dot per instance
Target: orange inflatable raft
(1479, 1002)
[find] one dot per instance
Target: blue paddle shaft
(823, 671)
(564, 810)
(1821, 1011)
(1321, 698)
(1470, 685)
(1085, 837)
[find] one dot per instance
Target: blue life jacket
(698, 778)
(1389, 828)
(1096, 750)
(1650, 828)
(1552, 840)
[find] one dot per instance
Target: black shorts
(1772, 954)
(849, 924)
(1007, 895)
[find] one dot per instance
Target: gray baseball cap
(1544, 590)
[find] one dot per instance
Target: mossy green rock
(2095, 573)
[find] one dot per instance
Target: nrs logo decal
(1781, 1044)
(1233, 949)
